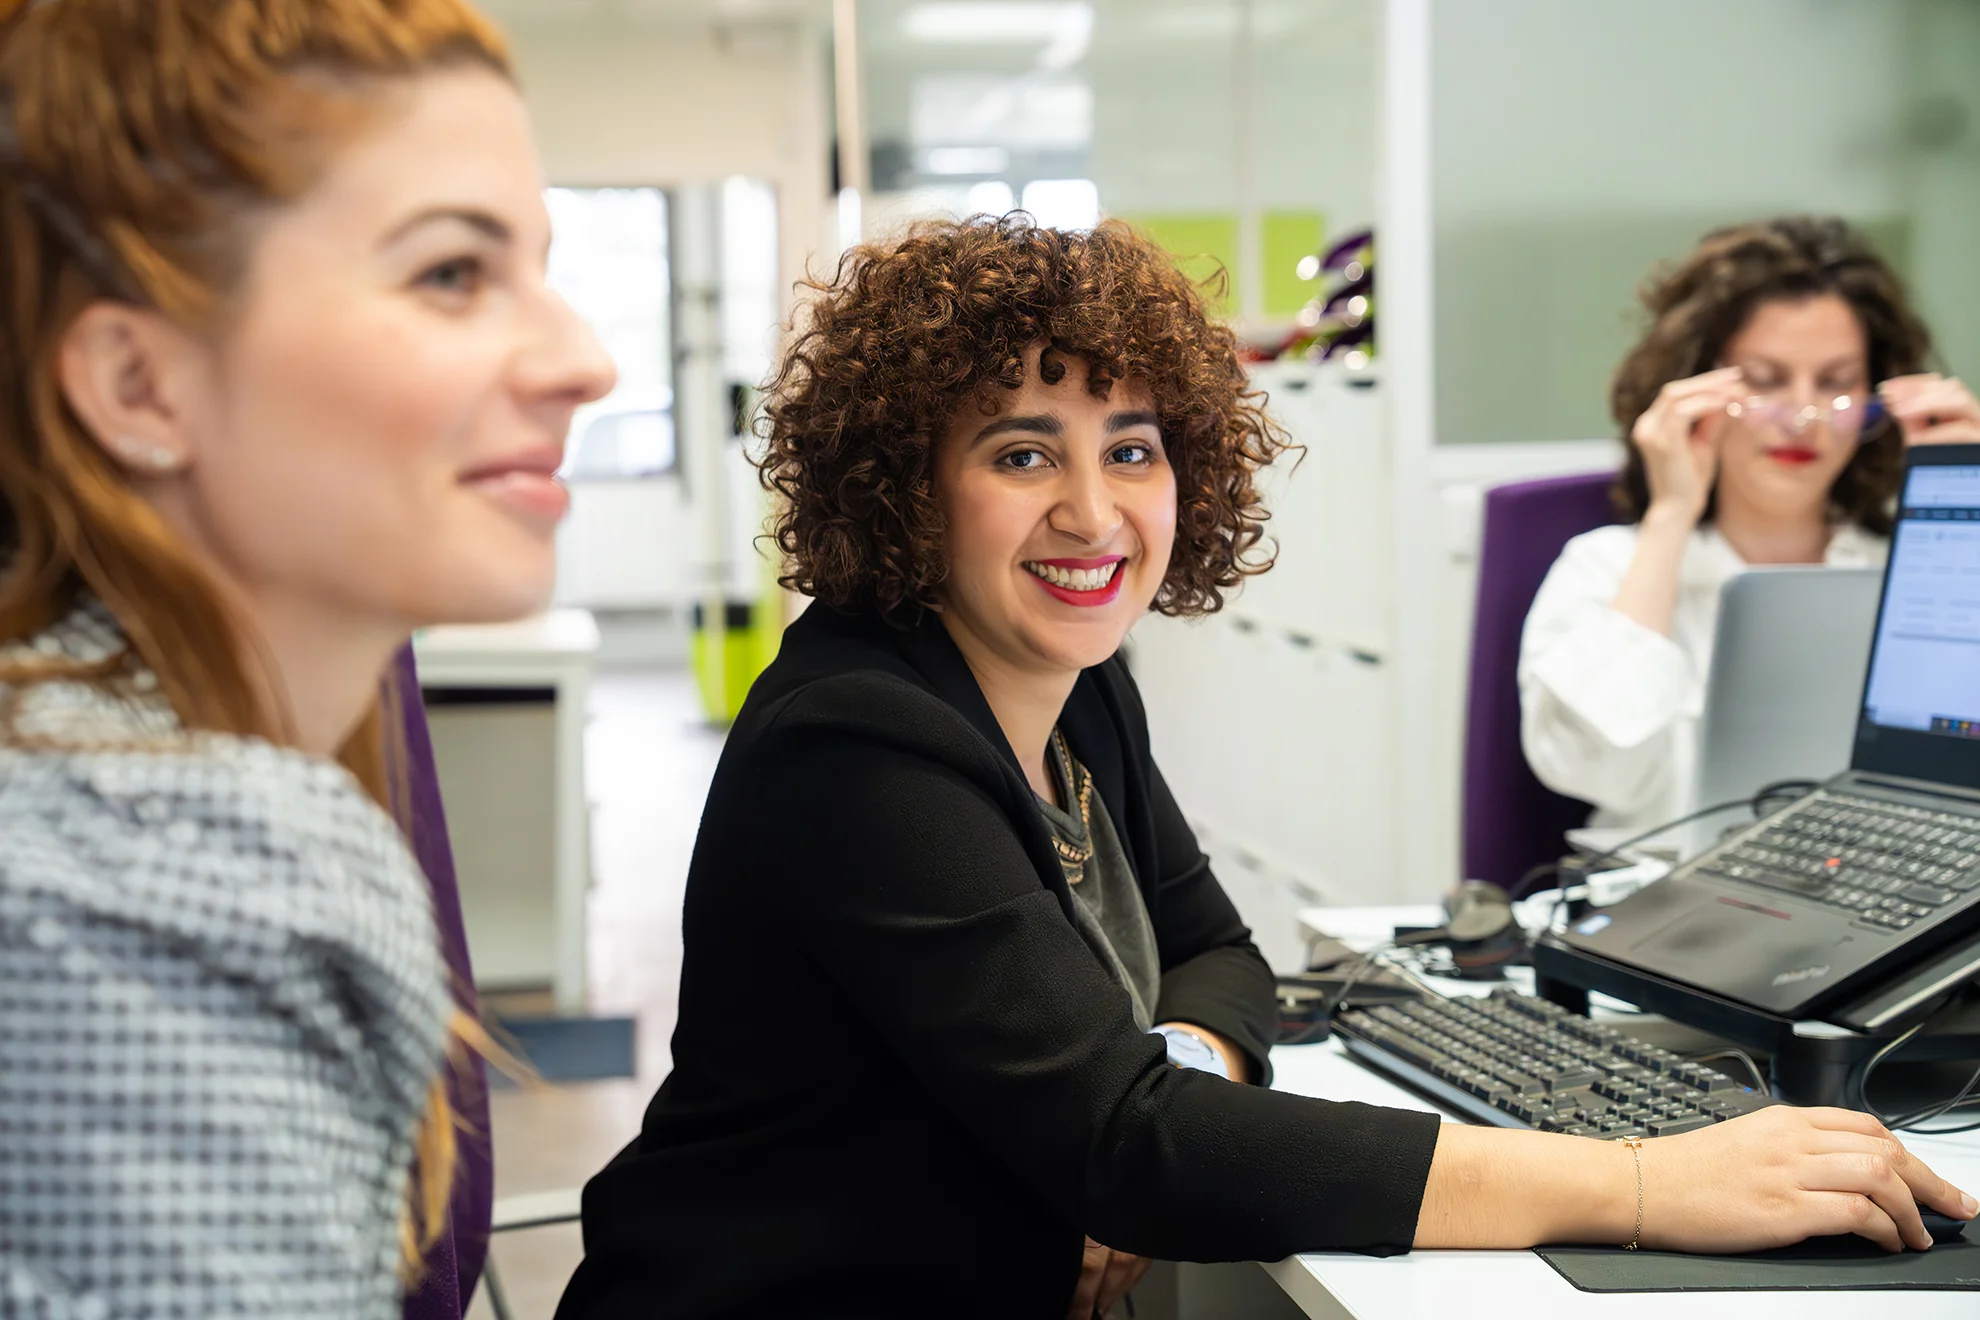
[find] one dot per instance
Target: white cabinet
(1330, 509)
(1271, 718)
(625, 545)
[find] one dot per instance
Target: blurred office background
(1522, 165)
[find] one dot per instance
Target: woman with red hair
(283, 381)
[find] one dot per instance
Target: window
(608, 258)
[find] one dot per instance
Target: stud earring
(156, 458)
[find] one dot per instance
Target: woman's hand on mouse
(1105, 1276)
(1780, 1175)
(1678, 436)
(1932, 409)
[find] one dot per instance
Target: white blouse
(1609, 709)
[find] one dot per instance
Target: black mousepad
(1819, 1263)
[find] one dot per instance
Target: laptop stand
(1814, 1061)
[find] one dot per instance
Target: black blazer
(901, 1079)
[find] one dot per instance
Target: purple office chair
(1513, 822)
(454, 1264)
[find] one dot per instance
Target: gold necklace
(1073, 859)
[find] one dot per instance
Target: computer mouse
(1943, 1228)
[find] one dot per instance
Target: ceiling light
(991, 197)
(1063, 203)
(994, 20)
(965, 160)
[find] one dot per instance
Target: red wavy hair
(138, 140)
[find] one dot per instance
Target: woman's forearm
(1649, 589)
(1490, 1187)
(1766, 1179)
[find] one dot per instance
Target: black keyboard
(1886, 864)
(1517, 1061)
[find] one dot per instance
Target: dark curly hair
(908, 333)
(1698, 305)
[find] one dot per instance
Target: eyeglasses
(1846, 416)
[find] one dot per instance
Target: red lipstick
(1073, 575)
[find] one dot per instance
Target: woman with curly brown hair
(947, 932)
(1766, 412)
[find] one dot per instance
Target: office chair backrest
(1513, 822)
(454, 1265)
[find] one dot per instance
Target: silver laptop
(1787, 677)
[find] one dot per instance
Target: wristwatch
(1189, 1050)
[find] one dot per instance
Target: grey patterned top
(221, 1004)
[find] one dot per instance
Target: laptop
(1881, 864)
(1788, 660)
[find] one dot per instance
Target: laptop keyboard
(1518, 1061)
(1886, 864)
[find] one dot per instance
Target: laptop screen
(1921, 700)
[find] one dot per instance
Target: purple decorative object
(1513, 822)
(453, 1266)
(1343, 250)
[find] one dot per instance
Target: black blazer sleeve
(913, 893)
(1212, 974)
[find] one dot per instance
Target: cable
(1888, 1048)
(1373, 959)
(1614, 852)
(1909, 1122)
(1522, 886)
(1791, 789)
(1759, 1078)
(1956, 1102)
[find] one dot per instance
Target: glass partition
(608, 258)
(1238, 132)
(1576, 145)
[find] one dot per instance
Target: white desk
(555, 652)
(1518, 1285)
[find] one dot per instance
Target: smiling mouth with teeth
(1076, 579)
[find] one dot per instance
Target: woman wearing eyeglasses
(1766, 412)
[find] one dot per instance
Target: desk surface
(552, 645)
(1518, 1285)
(557, 630)
(552, 654)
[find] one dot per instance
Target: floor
(649, 756)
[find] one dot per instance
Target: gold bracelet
(1635, 1145)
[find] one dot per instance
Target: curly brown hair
(906, 334)
(1698, 305)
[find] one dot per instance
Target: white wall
(1271, 718)
(1277, 721)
